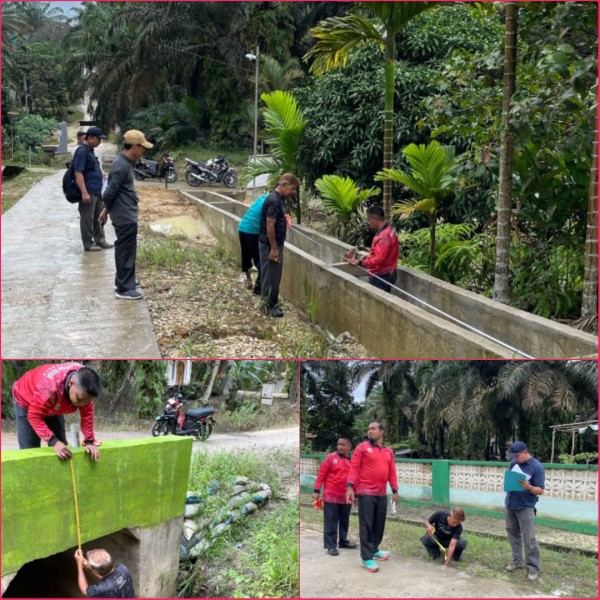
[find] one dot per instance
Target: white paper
(517, 469)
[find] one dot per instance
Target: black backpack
(70, 188)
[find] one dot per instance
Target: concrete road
(267, 439)
(324, 576)
(57, 300)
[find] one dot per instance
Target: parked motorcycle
(215, 170)
(198, 422)
(149, 169)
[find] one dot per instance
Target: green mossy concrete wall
(136, 483)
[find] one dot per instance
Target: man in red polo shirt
(382, 260)
(371, 469)
(333, 472)
(41, 398)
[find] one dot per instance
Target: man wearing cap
(88, 176)
(121, 202)
(520, 511)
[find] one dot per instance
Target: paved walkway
(58, 301)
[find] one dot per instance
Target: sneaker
(105, 245)
(129, 295)
(333, 552)
(513, 567)
(93, 248)
(533, 576)
(276, 312)
(138, 286)
(381, 555)
(370, 566)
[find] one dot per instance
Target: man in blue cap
(520, 511)
(88, 176)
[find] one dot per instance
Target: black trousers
(270, 273)
(125, 253)
(390, 278)
(250, 254)
(434, 549)
(336, 519)
(26, 435)
(371, 519)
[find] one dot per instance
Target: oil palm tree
(432, 177)
(367, 22)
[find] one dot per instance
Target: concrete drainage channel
(424, 318)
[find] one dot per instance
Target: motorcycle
(213, 170)
(149, 169)
(198, 422)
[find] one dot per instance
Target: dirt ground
(324, 576)
(205, 310)
(286, 439)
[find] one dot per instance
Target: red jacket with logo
(41, 392)
(334, 473)
(371, 469)
(383, 257)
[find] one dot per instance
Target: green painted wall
(440, 478)
(136, 483)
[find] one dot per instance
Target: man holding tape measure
(43, 395)
(444, 529)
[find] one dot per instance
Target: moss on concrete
(136, 483)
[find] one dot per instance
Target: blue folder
(511, 481)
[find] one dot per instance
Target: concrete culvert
(56, 576)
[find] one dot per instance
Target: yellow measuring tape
(76, 503)
(440, 545)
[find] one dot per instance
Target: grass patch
(563, 574)
(166, 253)
(14, 189)
(252, 416)
(258, 555)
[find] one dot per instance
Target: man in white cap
(520, 510)
(121, 202)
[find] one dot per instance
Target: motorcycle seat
(193, 162)
(198, 413)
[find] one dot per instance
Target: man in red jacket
(41, 398)
(371, 469)
(383, 258)
(333, 472)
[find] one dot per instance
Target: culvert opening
(56, 576)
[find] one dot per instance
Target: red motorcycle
(198, 422)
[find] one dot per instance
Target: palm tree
(432, 177)
(502, 267)
(589, 304)
(13, 25)
(368, 22)
(284, 123)
(342, 199)
(275, 75)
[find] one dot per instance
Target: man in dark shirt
(88, 176)
(121, 202)
(273, 226)
(519, 511)
(447, 528)
(115, 581)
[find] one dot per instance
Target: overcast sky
(66, 6)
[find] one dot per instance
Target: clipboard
(511, 481)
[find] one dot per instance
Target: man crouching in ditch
(447, 528)
(115, 580)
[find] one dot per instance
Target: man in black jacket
(121, 202)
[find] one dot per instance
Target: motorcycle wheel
(138, 175)
(229, 179)
(203, 432)
(190, 179)
(172, 176)
(159, 428)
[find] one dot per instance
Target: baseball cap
(516, 447)
(133, 136)
(95, 132)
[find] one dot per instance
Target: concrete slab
(58, 301)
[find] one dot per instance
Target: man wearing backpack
(88, 177)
